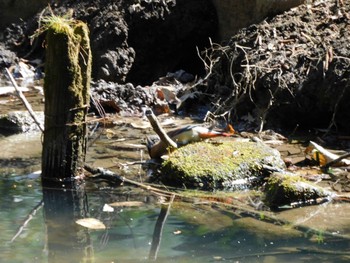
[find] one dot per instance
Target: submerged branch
(238, 206)
(27, 220)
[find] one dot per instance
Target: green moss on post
(67, 94)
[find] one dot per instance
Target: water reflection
(66, 240)
(145, 226)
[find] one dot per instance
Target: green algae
(216, 165)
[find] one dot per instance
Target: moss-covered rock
(288, 189)
(227, 165)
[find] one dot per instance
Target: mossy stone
(210, 166)
(286, 188)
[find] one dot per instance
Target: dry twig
(24, 100)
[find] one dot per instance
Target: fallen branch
(109, 175)
(24, 100)
(165, 143)
(159, 130)
(265, 216)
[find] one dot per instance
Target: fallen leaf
(107, 208)
(109, 133)
(91, 223)
(230, 129)
(127, 203)
(141, 125)
(177, 232)
(160, 94)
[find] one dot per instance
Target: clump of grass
(59, 24)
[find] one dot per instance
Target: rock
(113, 57)
(20, 121)
(7, 58)
(224, 165)
(290, 189)
(123, 98)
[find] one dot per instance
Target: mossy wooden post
(67, 95)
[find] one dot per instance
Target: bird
(181, 137)
(324, 157)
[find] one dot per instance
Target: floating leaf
(177, 232)
(141, 125)
(108, 208)
(127, 203)
(91, 223)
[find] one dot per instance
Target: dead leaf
(141, 126)
(107, 208)
(109, 133)
(168, 93)
(160, 94)
(91, 223)
(127, 203)
(230, 129)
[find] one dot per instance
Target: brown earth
(292, 70)
(130, 41)
(288, 71)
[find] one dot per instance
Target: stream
(40, 225)
(194, 231)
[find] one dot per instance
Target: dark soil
(137, 42)
(292, 71)
(289, 71)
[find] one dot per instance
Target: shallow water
(194, 231)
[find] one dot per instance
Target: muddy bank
(295, 64)
(292, 70)
(131, 41)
